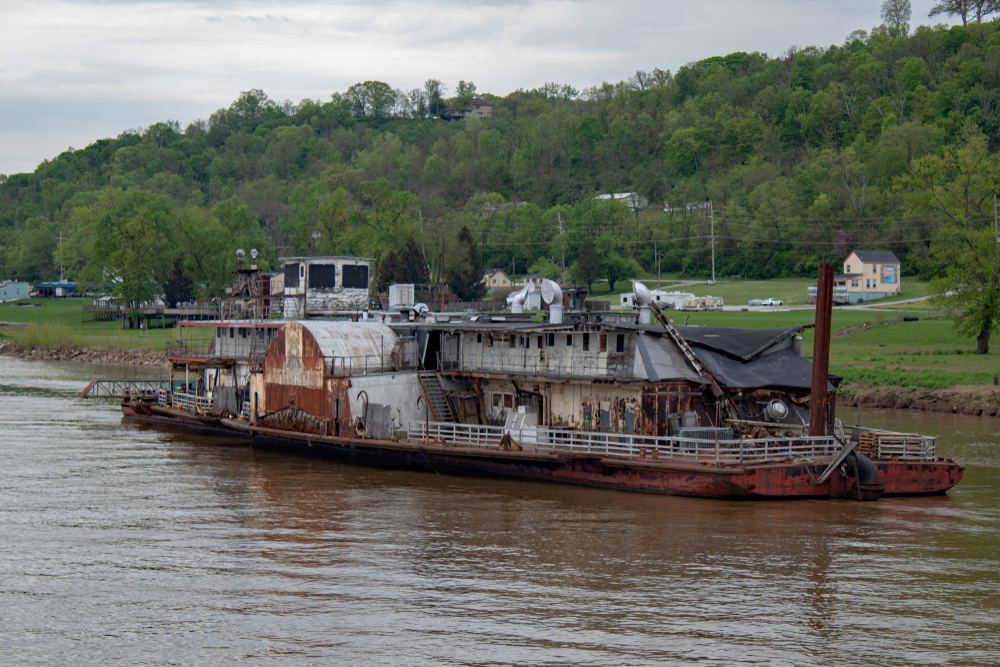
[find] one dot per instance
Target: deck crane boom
(643, 298)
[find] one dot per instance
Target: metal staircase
(440, 407)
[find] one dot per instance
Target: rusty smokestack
(821, 351)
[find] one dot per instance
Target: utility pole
(711, 209)
(656, 251)
(563, 248)
(423, 250)
(61, 264)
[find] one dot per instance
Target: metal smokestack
(821, 352)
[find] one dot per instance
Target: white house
(870, 274)
(12, 290)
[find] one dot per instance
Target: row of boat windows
(543, 340)
(221, 332)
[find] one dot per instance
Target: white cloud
(93, 66)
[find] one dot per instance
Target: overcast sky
(74, 72)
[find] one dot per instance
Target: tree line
(887, 141)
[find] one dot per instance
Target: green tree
(896, 14)
(133, 246)
(587, 267)
(465, 274)
(970, 285)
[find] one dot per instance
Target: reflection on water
(125, 543)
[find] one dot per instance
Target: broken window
(322, 275)
(291, 275)
(586, 342)
(569, 340)
(620, 346)
(355, 276)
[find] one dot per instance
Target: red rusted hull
(771, 481)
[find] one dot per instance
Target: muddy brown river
(125, 545)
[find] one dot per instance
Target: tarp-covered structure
(739, 358)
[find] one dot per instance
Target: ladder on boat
(440, 407)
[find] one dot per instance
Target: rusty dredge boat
(614, 400)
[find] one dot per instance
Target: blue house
(12, 290)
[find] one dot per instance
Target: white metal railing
(122, 388)
(347, 366)
(531, 361)
(187, 402)
(625, 445)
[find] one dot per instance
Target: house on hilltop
(870, 274)
(477, 107)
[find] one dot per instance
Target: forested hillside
(879, 143)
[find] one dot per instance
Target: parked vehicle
(756, 302)
(771, 302)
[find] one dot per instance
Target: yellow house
(497, 278)
(870, 274)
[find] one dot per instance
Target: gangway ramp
(123, 388)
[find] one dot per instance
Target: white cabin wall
(399, 390)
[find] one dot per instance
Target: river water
(123, 544)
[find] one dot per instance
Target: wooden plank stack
(892, 446)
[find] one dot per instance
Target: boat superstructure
(604, 399)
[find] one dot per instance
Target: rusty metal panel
(292, 418)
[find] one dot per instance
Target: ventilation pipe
(552, 295)
(516, 299)
(641, 296)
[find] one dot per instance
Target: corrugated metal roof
(351, 339)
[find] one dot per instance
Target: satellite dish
(551, 292)
(253, 253)
(240, 254)
(642, 295)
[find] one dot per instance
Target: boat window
(586, 342)
(355, 276)
(322, 275)
(292, 275)
(552, 340)
(569, 340)
(620, 346)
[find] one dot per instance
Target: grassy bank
(53, 322)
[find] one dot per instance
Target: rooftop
(877, 256)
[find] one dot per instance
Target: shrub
(48, 335)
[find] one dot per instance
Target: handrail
(122, 388)
(637, 446)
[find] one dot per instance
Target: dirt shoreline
(88, 355)
(970, 399)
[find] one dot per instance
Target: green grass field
(69, 313)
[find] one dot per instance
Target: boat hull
(764, 481)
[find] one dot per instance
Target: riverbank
(89, 355)
(970, 399)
